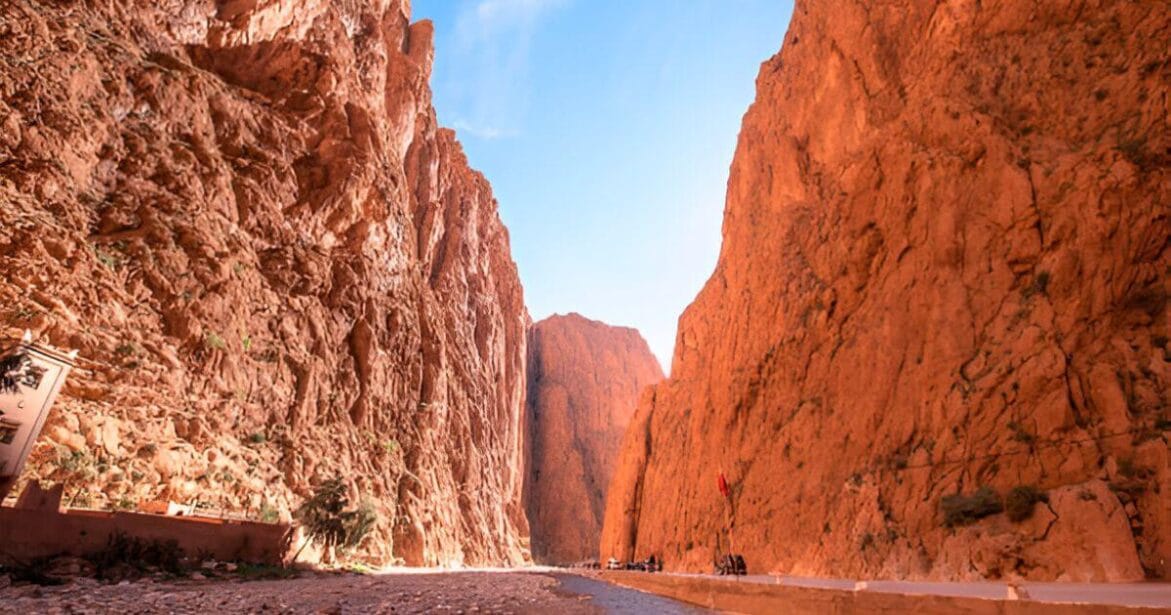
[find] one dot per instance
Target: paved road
(618, 600)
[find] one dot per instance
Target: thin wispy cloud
(493, 41)
(491, 14)
(487, 133)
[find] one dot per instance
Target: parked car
(612, 564)
(653, 564)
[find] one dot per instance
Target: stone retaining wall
(28, 533)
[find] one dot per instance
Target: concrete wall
(27, 534)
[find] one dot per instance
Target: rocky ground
(455, 592)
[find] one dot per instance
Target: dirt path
(446, 592)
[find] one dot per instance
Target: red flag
(723, 484)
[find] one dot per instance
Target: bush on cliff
(959, 509)
(1020, 502)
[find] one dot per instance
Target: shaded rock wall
(584, 380)
(276, 265)
(944, 264)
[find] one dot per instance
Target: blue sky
(606, 128)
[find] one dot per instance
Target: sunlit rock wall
(277, 267)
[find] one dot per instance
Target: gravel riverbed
(440, 592)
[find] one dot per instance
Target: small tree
(328, 522)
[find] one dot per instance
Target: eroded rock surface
(946, 246)
(275, 264)
(584, 380)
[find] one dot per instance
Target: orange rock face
(584, 380)
(275, 264)
(946, 247)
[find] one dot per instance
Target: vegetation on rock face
(268, 513)
(328, 522)
(212, 341)
(1020, 502)
(959, 509)
(1130, 480)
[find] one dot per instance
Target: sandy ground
(447, 592)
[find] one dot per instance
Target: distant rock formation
(584, 380)
(276, 265)
(945, 262)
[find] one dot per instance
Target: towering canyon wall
(944, 264)
(276, 265)
(584, 380)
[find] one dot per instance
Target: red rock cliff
(276, 265)
(944, 266)
(584, 380)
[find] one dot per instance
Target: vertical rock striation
(584, 380)
(276, 264)
(944, 265)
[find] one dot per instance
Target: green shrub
(261, 572)
(214, 342)
(35, 571)
(77, 463)
(1021, 500)
(127, 556)
(269, 513)
(959, 509)
(111, 260)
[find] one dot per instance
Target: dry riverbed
(443, 592)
